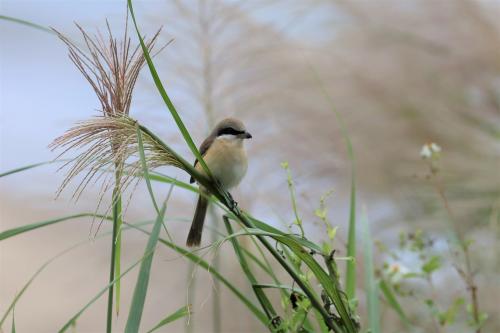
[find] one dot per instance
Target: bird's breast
(227, 161)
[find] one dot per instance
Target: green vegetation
(323, 298)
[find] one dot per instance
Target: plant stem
(291, 188)
(114, 269)
(289, 269)
(231, 205)
(259, 293)
(109, 317)
(468, 275)
(216, 311)
(191, 287)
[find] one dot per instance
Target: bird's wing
(203, 149)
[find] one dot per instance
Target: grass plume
(111, 67)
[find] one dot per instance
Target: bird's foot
(232, 203)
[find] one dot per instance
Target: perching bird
(225, 156)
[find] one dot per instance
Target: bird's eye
(229, 131)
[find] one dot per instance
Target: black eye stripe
(230, 131)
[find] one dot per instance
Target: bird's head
(231, 128)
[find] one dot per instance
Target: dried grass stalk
(105, 139)
(110, 66)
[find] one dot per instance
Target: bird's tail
(194, 236)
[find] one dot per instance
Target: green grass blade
(45, 265)
(351, 244)
(13, 328)
(182, 312)
(216, 262)
(118, 251)
(263, 266)
(146, 176)
(321, 323)
(115, 259)
(277, 286)
(25, 228)
(164, 95)
(371, 288)
(216, 274)
(191, 286)
(248, 221)
(329, 286)
(26, 23)
(118, 245)
(158, 177)
(141, 286)
(26, 167)
(266, 227)
(259, 293)
(393, 302)
(325, 281)
(145, 168)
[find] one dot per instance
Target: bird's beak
(248, 135)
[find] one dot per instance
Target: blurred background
(401, 74)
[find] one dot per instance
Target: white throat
(229, 137)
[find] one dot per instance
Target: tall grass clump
(111, 67)
(317, 292)
(114, 143)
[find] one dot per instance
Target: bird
(224, 154)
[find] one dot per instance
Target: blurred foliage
(403, 74)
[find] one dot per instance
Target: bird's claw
(232, 203)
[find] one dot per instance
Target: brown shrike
(225, 156)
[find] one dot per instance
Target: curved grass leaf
(263, 266)
(27, 23)
(145, 172)
(145, 168)
(23, 168)
(266, 227)
(46, 264)
(182, 312)
(13, 328)
(165, 97)
(326, 282)
(250, 222)
(223, 195)
(324, 279)
(278, 286)
(25, 228)
(393, 302)
(205, 265)
(159, 177)
(304, 285)
(259, 293)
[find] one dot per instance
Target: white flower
(426, 152)
(430, 150)
(435, 148)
